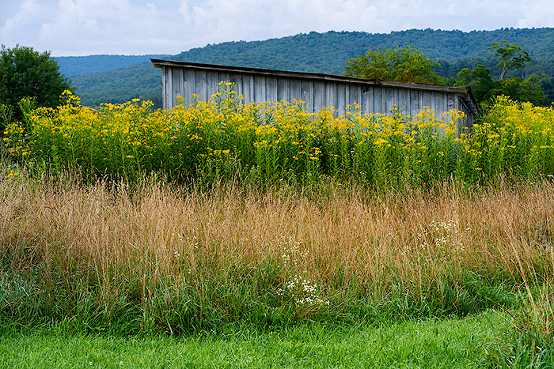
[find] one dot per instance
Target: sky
(141, 27)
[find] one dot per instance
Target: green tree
(28, 73)
(528, 89)
(480, 81)
(401, 64)
(484, 87)
(547, 85)
(509, 56)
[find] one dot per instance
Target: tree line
(411, 65)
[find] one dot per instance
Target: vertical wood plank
(248, 88)
(358, 96)
(270, 89)
(451, 101)
(378, 103)
(259, 88)
(307, 94)
(211, 84)
(391, 99)
(189, 85)
(283, 89)
(319, 95)
(341, 98)
(201, 87)
(440, 103)
(331, 95)
(178, 86)
(354, 98)
(350, 96)
(415, 102)
(165, 102)
(426, 99)
(367, 99)
(168, 87)
(222, 77)
(403, 100)
(295, 90)
(433, 104)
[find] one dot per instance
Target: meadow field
(219, 217)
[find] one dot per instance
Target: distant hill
(75, 65)
(321, 53)
(141, 81)
(327, 52)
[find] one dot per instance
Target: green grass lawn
(450, 343)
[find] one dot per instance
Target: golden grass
(345, 238)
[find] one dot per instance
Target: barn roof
(464, 94)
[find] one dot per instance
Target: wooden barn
(316, 90)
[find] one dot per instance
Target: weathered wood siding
(315, 90)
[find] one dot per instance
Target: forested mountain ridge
(327, 52)
(75, 65)
(323, 53)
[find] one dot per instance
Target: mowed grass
(471, 342)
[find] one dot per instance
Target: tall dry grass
(158, 257)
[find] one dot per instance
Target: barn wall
(316, 94)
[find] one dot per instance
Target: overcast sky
(139, 27)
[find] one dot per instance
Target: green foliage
(509, 56)
(6, 117)
(525, 90)
(28, 73)
(485, 88)
(547, 85)
(480, 82)
(400, 64)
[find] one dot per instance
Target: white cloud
(537, 13)
(217, 20)
(81, 27)
(24, 22)
(100, 24)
